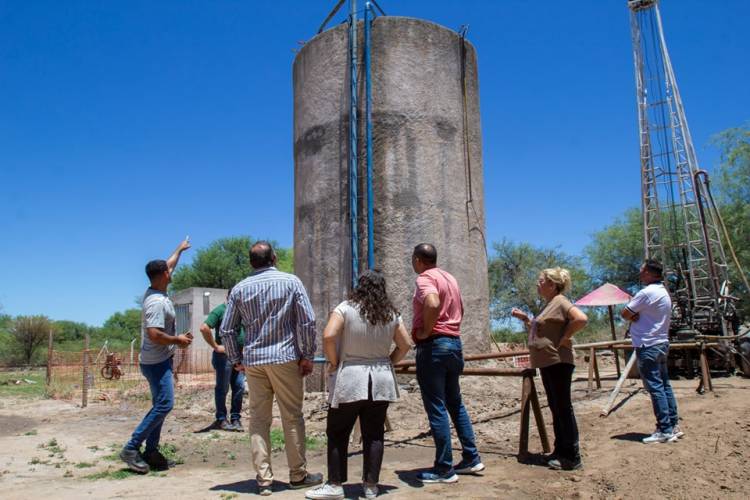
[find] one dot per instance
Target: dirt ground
(54, 449)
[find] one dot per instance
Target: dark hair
(374, 305)
(654, 267)
(426, 252)
(261, 254)
(155, 268)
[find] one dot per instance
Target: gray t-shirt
(157, 312)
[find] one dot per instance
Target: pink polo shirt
(443, 284)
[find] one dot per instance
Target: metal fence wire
(104, 375)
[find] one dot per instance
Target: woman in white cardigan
(357, 344)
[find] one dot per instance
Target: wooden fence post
(593, 370)
(85, 385)
(49, 358)
(530, 401)
(614, 337)
(705, 384)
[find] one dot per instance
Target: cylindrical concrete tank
(427, 162)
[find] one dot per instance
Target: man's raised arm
(175, 257)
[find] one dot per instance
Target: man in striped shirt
(279, 324)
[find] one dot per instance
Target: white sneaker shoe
(371, 490)
(327, 491)
(660, 437)
(677, 431)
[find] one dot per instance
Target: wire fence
(105, 375)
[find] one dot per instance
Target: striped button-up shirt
(278, 318)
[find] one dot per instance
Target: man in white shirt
(650, 312)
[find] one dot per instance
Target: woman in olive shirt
(551, 350)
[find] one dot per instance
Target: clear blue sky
(125, 126)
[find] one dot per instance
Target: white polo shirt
(654, 308)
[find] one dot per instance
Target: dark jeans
(338, 429)
(159, 378)
(557, 379)
(439, 364)
(652, 364)
(226, 375)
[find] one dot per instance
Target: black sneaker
(464, 467)
(310, 479)
(561, 463)
(134, 461)
(236, 426)
(157, 461)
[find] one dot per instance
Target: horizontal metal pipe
(605, 343)
(487, 372)
(473, 357)
(720, 337)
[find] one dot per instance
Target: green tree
(223, 263)
(733, 194)
(125, 325)
(513, 272)
(615, 253)
(72, 330)
(30, 333)
(734, 169)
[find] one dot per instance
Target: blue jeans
(160, 381)
(652, 364)
(226, 375)
(439, 364)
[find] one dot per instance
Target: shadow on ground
(631, 436)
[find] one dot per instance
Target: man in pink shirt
(436, 329)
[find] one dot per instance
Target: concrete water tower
(425, 155)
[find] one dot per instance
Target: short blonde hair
(559, 276)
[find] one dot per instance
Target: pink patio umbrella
(606, 295)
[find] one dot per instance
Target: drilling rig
(681, 223)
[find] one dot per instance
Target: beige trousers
(285, 382)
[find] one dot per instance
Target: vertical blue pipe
(353, 178)
(368, 139)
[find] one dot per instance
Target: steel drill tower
(679, 221)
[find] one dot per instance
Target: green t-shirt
(214, 321)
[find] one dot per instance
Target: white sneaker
(371, 490)
(660, 437)
(677, 431)
(327, 491)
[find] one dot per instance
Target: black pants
(557, 379)
(338, 429)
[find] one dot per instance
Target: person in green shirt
(226, 375)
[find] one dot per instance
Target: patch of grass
(9, 388)
(213, 435)
(115, 455)
(118, 474)
(312, 442)
(232, 456)
(315, 442)
(277, 439)
(84, 465)
(53, 447)
(169, 450)
(110, 474)
(228, 496)
(37, 461)
(30, 433)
